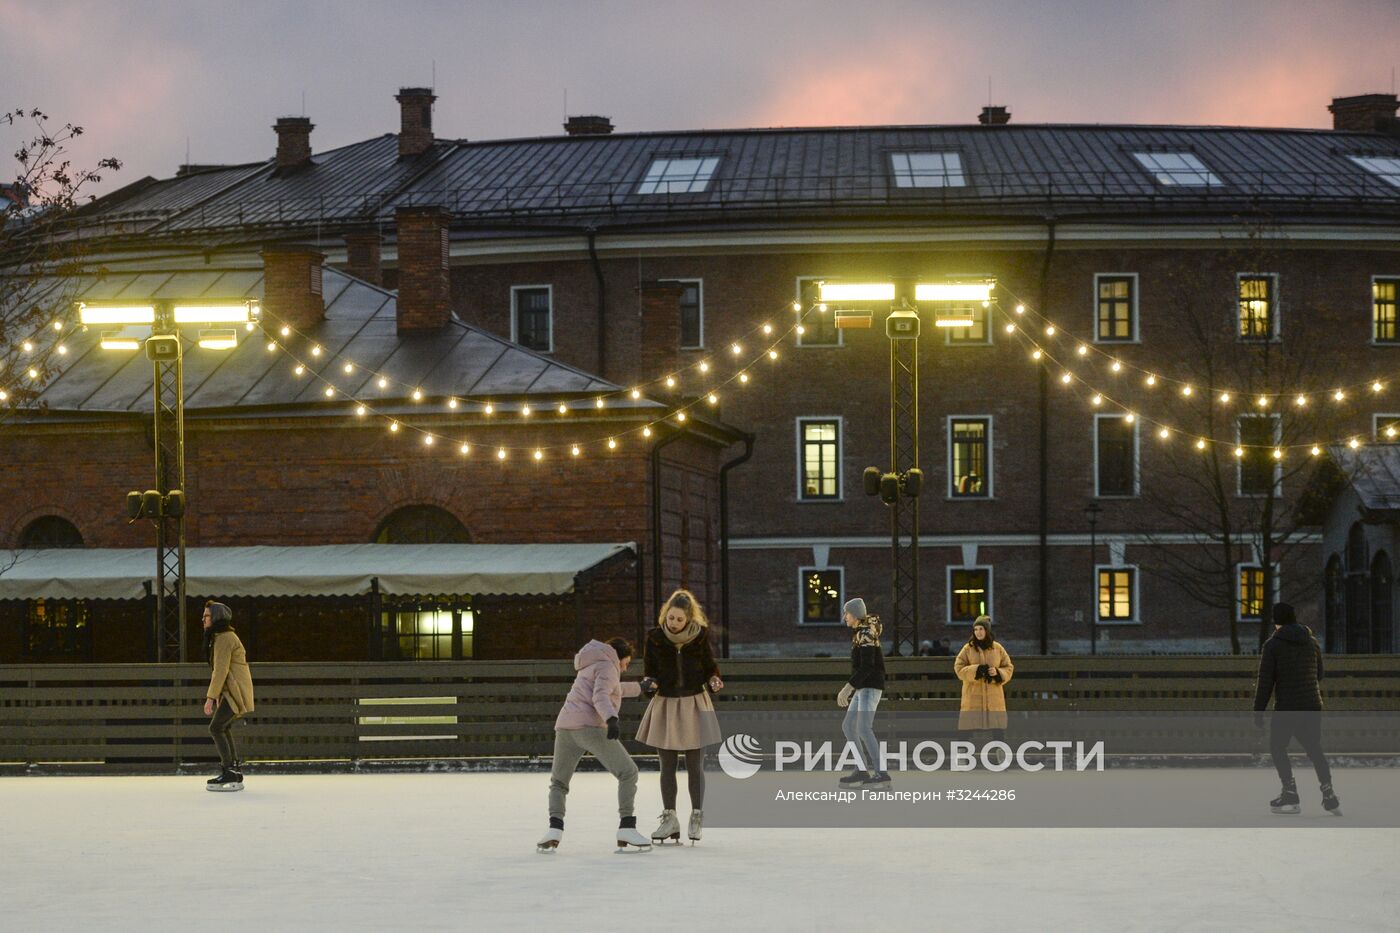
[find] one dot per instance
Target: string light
(524, 411)
(286, 331)
(768, 328)
(612, 443)
(1339, 395)
(704, 367)
(744, 377)
(427, 440)
(349, 368)
(574, 450)
(489, 409)
(1225, 398)
(1186, 390)
(1097, 399)
(713, 398)
(1036, 355)
(62, 350)
(33, 373)
(1050, 331)
(772, 354)
(563, 409)
(1065, 378)
(452, 403)
(1278, 454)
(315, 351)
(360, 410)
(1201, 443)
(1130, 417)
(1315, 450)
(271, 347)
(330, 392)
(28, 347)
(383, 383)
(3, 395)
(1239, 451)
(801, 330)
(646, 432)
(1117, 367)
(736, 349)
(300, 369)
(670, 382)
(1164, 434)
(680, 416)
(1151, 380)
(1020, 309)
(465, 448)
(636, 393)
(1263, 401)
(418, 395)
(1301, 401)
(821, 308)
(500, 453)
(539, 454)
(1011, 328)
(394, 427)
(598, 403)
(1083, 350)
(58, 325)
(1353, 443)
(1376, 386)
(796, 306)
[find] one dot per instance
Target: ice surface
(450, 851)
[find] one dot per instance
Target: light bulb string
(1049, 360)
(36, 359)
(1096, 349)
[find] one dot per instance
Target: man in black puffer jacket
(1290, 670)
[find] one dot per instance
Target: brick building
(1211, 276)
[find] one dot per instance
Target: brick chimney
(362, 257)
(661, 325)
(424, 280)
(1365, 113)
(293, 142)
(292, 285)
(415, 120)
(994, 116)
(588, 126)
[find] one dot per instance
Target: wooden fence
(149, 716)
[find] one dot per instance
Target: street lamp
(899, 487)
(1092, 510)
(158, 326)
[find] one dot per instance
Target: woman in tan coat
(230, 693)
(984, 668)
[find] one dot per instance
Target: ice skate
(697, 819)
(629, 840)
(228, 780)
(551, 841)
(854, 779)
(670, 828)
(881, 779)
(1287, 800)
(1330, 802)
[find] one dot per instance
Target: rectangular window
(692, 310)
(1384, 293)
(1387, 167)
(1385, 428)
(821, 595)
(1259, 471)
(969, 594)
(58, 629)
(979, 334)
(1116, 315)
(428, 631)
(818, 327)
(1258, 306)
(1117, 594)
(818, 458)
(1178, 169)
(1249, 604)
(969, 457)
(927, 170)
(1115, 456)
(532, 317)
(678, 176)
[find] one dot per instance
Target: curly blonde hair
(684, 600)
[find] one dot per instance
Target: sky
(148, 80)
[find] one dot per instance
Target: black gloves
(614, 730)
(982, 672)
(649, 685)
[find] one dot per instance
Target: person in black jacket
(1290, 670)
(680, 719)
(861, 694)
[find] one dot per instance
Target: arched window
(50, 531)
(1381, 589)
(1335, 608)
(421, 524)
(1358, 593)
(1356, 549)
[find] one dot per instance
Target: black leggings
(220, 728)
(694, 776)
(1306, 727)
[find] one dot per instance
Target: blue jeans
(859, 726)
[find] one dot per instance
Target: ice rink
(455, 851)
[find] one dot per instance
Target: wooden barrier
(149, 716)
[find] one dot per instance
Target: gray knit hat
(855, 607)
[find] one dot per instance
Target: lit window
(969, 458)
(1180, 169)
(1249, 604)
(819, 458)
(58, 629)
(969, 593)
(1117, 594)
(1384, 293)
(979, 334)
(678, 176)
(1387, 167)
(1259, 472)
(429, 631)
(821, 596)
(1116, 319)
(927, 169)
(1258, 300)
(531, 318)
(1115, 456)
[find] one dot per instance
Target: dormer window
(1387, 167)
(927, 170)
(678, 176)
(1179, 169)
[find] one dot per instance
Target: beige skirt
(680, 723)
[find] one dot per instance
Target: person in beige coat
(984, 668)
(230, 694)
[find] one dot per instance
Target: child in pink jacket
(587, 724)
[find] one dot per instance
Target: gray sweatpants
(570, 745)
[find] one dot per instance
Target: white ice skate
(629, 840)
(697, 819)
(670, 828)
(551, 841)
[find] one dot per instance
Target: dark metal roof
(1374, 472)
(1011, 170)
(459, 361)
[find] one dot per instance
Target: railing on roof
(1354, 189)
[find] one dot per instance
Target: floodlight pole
(169, 438)
(904, 456)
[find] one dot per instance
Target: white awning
(319, 570)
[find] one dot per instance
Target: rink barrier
(149, 717)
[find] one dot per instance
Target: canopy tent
(317, 570)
